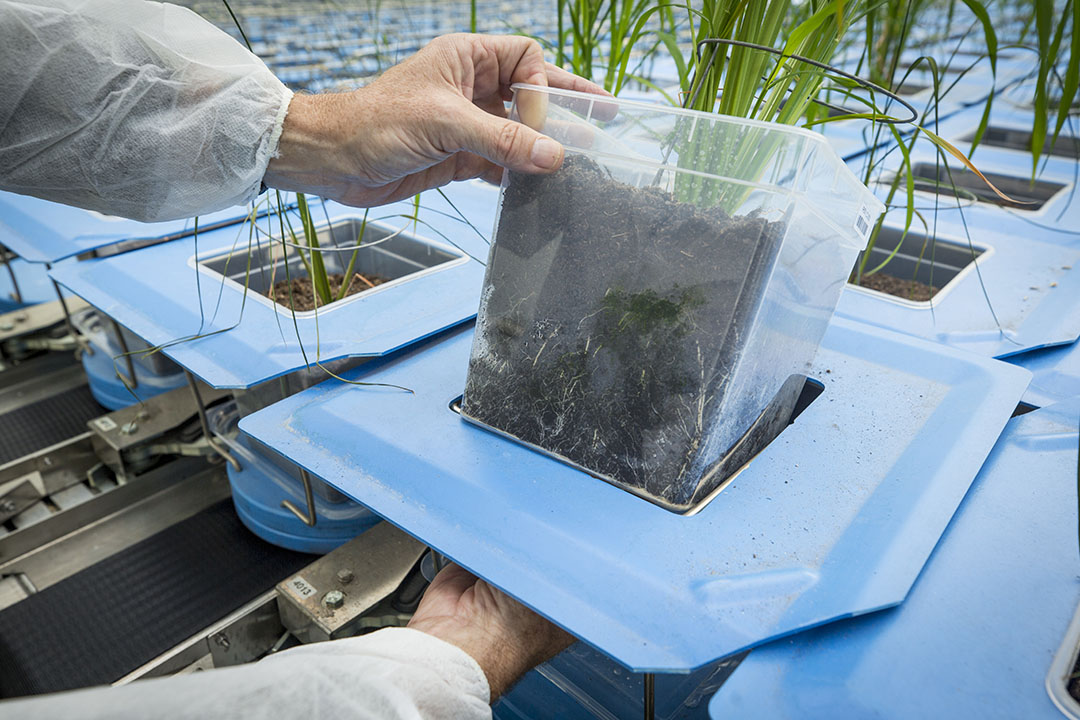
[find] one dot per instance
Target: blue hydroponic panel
(1055, 373)
(47, 232)
(835, 518)
(1020, 293)
(244, 339)
(977, 634)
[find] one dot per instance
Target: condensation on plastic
(818, 218)
(132, 108)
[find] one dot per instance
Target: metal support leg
(131, 380)
(64, 307)
(309, 517)
(14, 283)
(210, 440)
(650, 696)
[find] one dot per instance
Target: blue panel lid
(976, 636)
(42, 231)
(1055, 373)
(835, 518)
(244, 338)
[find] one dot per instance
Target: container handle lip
(823, 66)
(675, 110)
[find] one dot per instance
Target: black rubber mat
(109, 619)
(46, 422)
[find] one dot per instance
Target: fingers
(452, 580)
(505, 142)
(565, 80)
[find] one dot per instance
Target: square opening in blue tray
(388, 256)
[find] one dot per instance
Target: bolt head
(129, 428)
(7, 506)
(345, 576)
(7, 326)
(334, 599)
(143, 414)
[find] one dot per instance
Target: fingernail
(546, 153)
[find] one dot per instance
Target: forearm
(132, 108)
(389, 675)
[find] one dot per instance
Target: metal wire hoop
(866, 84)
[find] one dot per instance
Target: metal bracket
(4, 256)
(344, 592)
(205, 425)
(131, 381)
(309, 518)
(19, 494)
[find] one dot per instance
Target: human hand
(504, 637)
(434, 118)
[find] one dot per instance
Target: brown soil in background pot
(303, 291)
(907, 289)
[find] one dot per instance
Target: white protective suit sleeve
(132, 108)
(392, 674)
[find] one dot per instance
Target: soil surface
(303, 292)
(611, 320)
(907, 289)
(1074, 682)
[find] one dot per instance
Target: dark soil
(907, 289)
(303, 292)
(612, 317)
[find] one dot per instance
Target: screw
(129, 428)
(333, 599)
(21, 317)
(143, 414)
(345, 576)
(7, 506)
(7, 326)
(222, 640)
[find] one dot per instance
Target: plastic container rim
(868, 197)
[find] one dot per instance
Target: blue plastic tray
(977, 634)
(46, 232)
(153, 292)
(835, 518)
(1055, 373)
(1030, 272)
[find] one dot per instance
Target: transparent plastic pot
(650, 310)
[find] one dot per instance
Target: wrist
(502, 662)
(310, 145)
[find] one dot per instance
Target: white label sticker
(301, 588)
(105, 424)
(862, 222)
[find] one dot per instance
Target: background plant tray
(153, 293)
(1031, 275)
(835, 518)
(47, 232)
(977, 634)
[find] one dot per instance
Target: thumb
(507, 143)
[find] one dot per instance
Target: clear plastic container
(649, 310)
